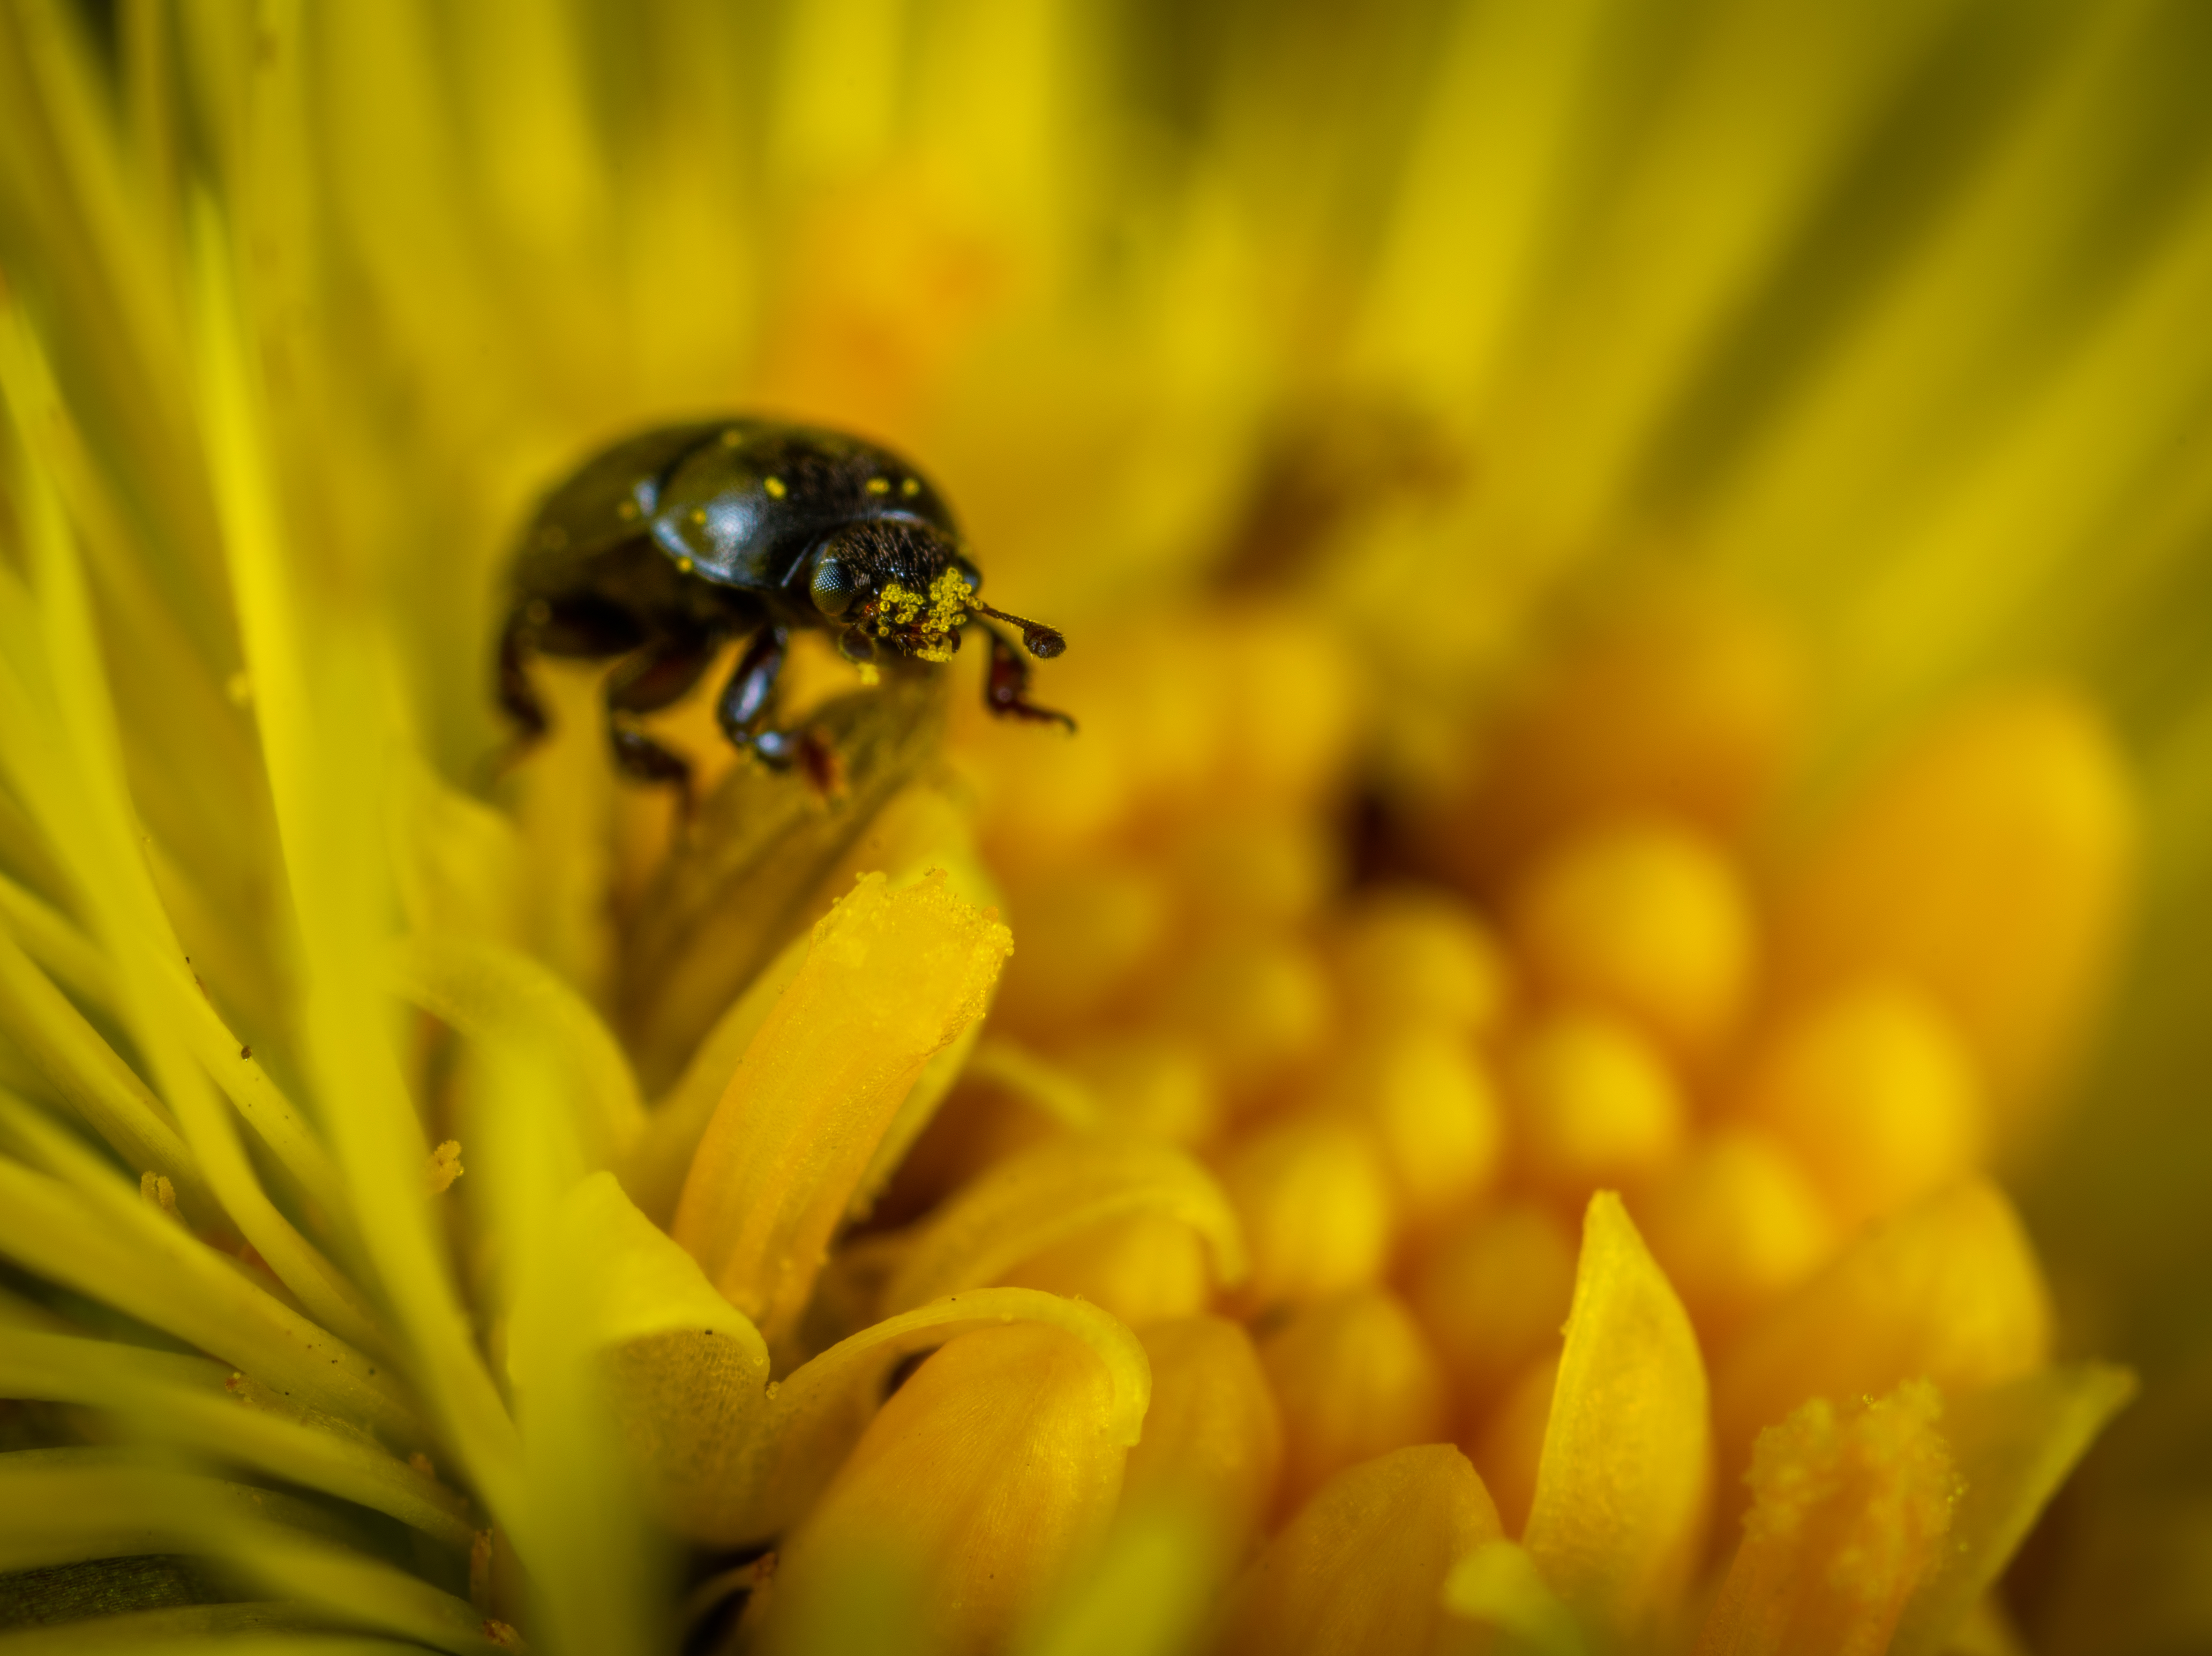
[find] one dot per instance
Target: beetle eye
(835, 587)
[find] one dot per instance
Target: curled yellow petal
(994, 1468)
(1623, 1490)
(488, 991)
(1360, 1570)
(816, 1412)
(1214, 1434)
(1051, 1193)
(1850, 1513)
(1947, 1291)
(890, 979)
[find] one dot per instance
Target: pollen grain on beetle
(1507, 1085)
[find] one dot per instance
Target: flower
(1605, 549)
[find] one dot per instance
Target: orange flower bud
(1142, 1267)
(1873, 1089)
(1213, 1436)
(1684, 704)
(1433, 1113)
(1594, 1105)
(1355, 1377)
(1315, 1203)
(1736, 1224)
(1360, 1570)
(1418, 957)
(1494, 1295)
(1988, 865)
(1647, 918)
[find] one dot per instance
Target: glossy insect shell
(734, 503)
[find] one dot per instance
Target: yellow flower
(1583, 531)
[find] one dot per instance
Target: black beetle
(668, 544)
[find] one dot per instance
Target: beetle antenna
(1042, 641)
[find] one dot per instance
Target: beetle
(661, 549)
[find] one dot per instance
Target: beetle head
(905, 585)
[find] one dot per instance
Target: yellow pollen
(685, 565)
(698, 514)
(910, 488)
(626, 510)
(774, 487)
(879, 486)
(934, 618)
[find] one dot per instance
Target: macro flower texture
(1590, 1045)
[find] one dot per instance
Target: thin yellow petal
(1624, 1487)
(892, 978)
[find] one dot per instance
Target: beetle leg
(1006, 683)
(517, 696)
(655, 677)
(748, 700)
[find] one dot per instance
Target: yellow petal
(1355, 1377)
(1141, 1268)
(1050, 1195)
(1623, 1490)
(2014, 1444)
(488, 991)
(1850, 1512)
(1947, 1291)
(890, 980)
(1213, 1436)
(1988, 865)
(816, 1413)
(988, 1473)
(686, 1372)
(1360, 1570)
